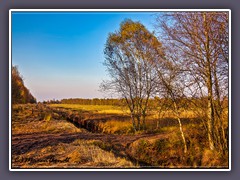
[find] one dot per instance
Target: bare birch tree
(129, 56)
(199, 42)
(171, 87)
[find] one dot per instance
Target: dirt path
(23, 143)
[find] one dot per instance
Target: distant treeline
(153, 102)
(20, 94)
(94, 101)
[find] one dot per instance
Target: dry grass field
(55, 143)
(85, 136)
(99, 109)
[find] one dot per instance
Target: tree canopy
(130, 54)
(20, 94)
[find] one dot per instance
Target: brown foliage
(20, 94)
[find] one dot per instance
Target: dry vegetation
(169, 153)
(78, 154)
(99, 109)
(42, 138)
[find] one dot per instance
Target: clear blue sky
(60, 54)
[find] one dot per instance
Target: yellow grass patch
(116, 127)
(100, 109)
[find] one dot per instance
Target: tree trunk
(133, 122)
(210, 120)
(144, 120)
(218, 112)
(180, 127)
(210, 110)
(138, 122)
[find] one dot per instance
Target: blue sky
(60, 54)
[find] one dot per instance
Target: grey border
(100, 11)
(61, 4)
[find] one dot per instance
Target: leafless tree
(199, 42)
(171, 87)
(129, 56)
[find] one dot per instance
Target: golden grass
(52, 126)
(168, 152)
(116, 127)
(162, 152)
(170, 114)
(100, 109)
(214, 159)
(24, 122)
(78, 154)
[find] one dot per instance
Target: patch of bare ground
(75, 154)
(40, 139)
(24, 145)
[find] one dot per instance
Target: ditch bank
(88, 120)
(131, 147)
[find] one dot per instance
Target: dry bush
(214, 159)
(162, 153)
(168, 152)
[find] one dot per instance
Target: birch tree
(199, 42)
(129, 56)
(171, 87)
